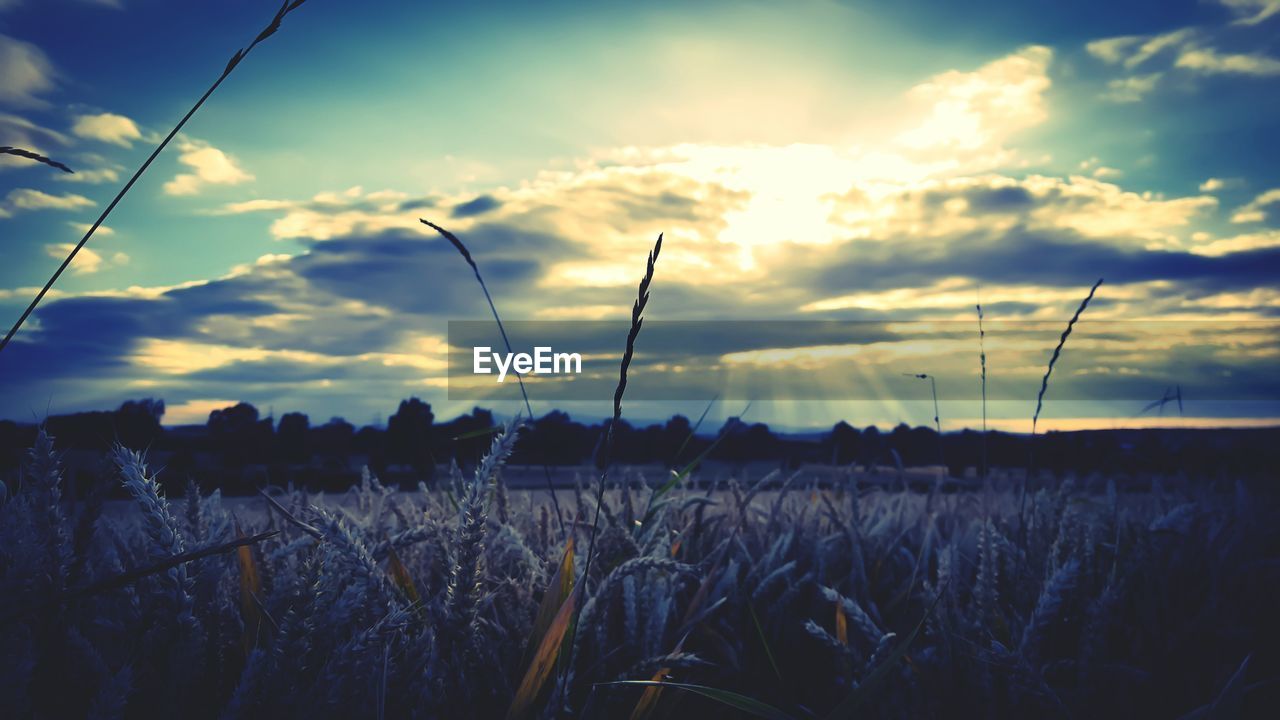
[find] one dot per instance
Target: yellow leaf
(557, 591)
(842, 625)
(400, 576)
(544, 660)
(649, 700)
(250, 588)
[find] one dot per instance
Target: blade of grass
(694, 431)
(466, 255)
(287, 7)
(737, 701)
(293, 520)
(764, 641)
(679, 477)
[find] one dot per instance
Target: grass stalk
(287, 7)
(606, 449)
(466, 255)
(1044, 387)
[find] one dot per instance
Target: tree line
(414, 445)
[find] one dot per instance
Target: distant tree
(746, 443)
(675, 434)
(138, 422)
(554, 439)
(871, 446)
(463, 438)
(291, 438)
(371, 442)
(841, 445)
(409, 436)
(238, 434)
(333, 441)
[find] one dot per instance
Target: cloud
(1258, 209)
(1131, 89)
(25, 73)
(108, 128)
(1087, 206)
(1252, 12)
(1208, 61)
(1239, 243)
(979, 110)
(1134, 50)
(209, 165)
(82, 228)
(96, 176)
(1199, 52)
(900, 232)
(1214, 184)
(479, 206)
(88, 260)
(29, 199)
(20, 132)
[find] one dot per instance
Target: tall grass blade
(544, 660)
(737, 701)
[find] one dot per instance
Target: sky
(885, 164)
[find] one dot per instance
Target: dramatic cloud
(108, 128)
(209, 166)
(978, 111)
(25, 73)
(956, 197)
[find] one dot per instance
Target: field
(801, 600)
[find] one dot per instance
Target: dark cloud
(478, 206)
(999, 200)
(1058, 259)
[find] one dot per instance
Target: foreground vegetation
(793, 601)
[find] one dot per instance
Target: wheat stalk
(10, 150)
(1057, 351)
